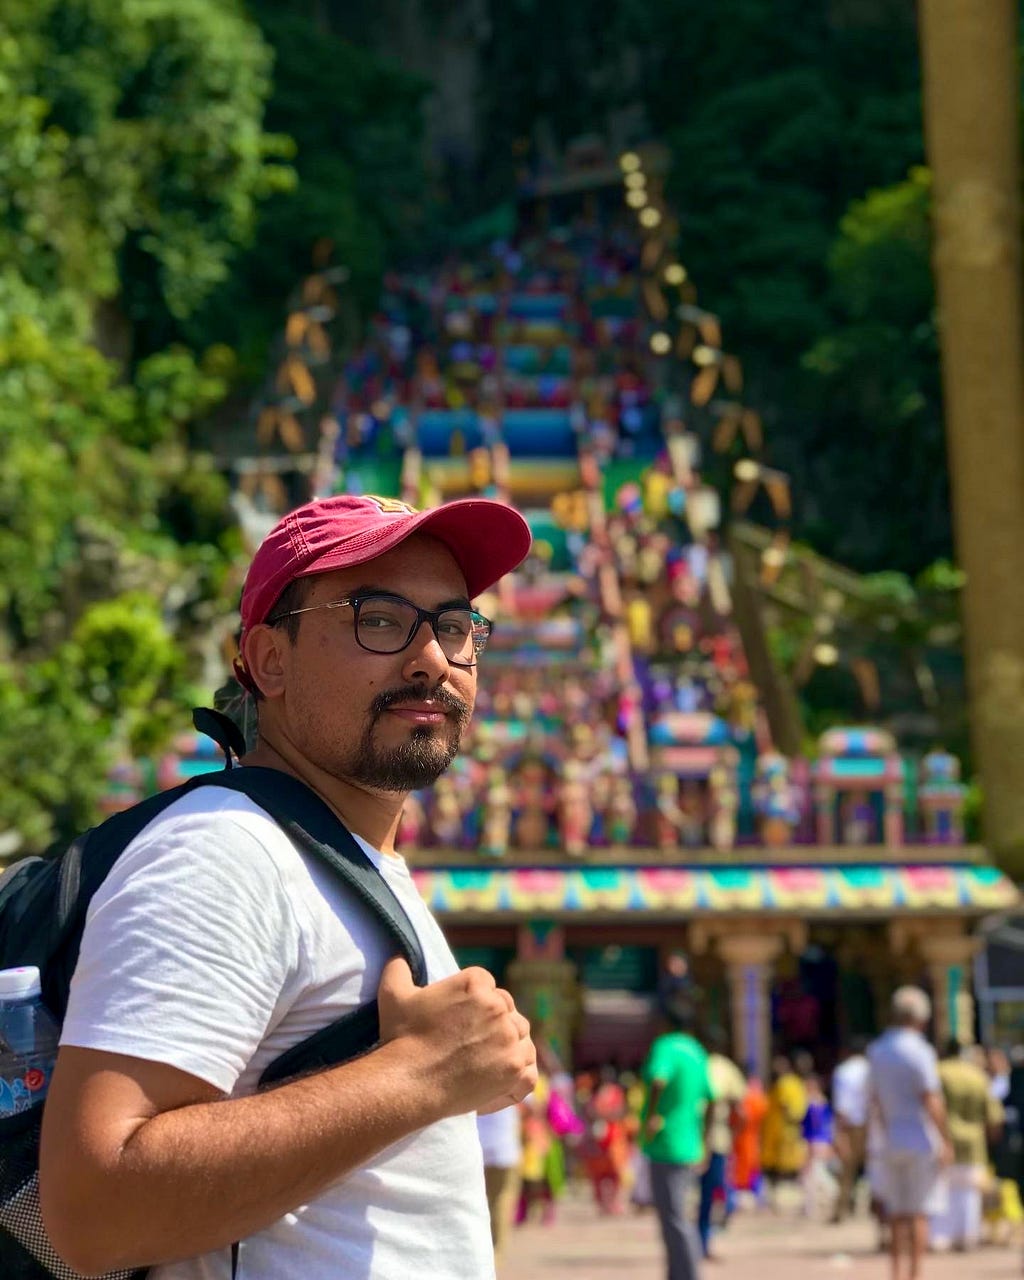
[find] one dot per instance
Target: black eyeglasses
(387, 624)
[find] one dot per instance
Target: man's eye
(377, 621)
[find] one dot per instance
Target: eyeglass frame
(431, 616)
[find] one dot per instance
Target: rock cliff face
(443, 42)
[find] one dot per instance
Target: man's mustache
(443, 697)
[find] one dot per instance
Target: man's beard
(420, 761)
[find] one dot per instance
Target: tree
(143, 150)
(876, 391)
(972, 67)
(779, 118)
(362, 180)
(134, 156)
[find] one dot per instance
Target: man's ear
(265, 652)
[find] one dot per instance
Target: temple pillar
(748, 960)
(949, 958)
(544, 985)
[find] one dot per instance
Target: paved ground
(581, 1246)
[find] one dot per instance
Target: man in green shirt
(676, 1119)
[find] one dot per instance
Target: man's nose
(425, 659)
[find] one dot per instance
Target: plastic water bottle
(29, 1037)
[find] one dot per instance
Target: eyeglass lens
(386, 626)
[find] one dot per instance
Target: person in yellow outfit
(537, 1142)
(784, 1149)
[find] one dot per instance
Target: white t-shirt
(213, 946)
(851, 1090)
(500, 1138)
(903, 1069)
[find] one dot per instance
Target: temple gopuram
(636, 783)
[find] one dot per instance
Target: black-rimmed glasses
(386, 623)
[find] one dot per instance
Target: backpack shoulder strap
(314, 827)
(75, 876)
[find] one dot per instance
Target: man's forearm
(198, 1178)
(935, 1106)
(652, 1120)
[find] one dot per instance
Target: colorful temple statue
(940, 798)
(446, 813)
(620, 815)
(496, 828)
(723, 800)
(857, 818)
(692, 814)
(640, 621)
(533, 805)
(668, 815)
(574, 810)
(858, 788)
(775, 800)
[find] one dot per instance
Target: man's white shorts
(912, 1184)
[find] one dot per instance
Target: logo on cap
(391, 506)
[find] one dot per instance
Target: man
(974, 1116)
(907, 1094)
(675, 983)
(728, 1087)
(674, 1133)
(214, 945)
(850, 1097)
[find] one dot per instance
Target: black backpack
(43, 903)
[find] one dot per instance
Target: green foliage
(174, 389)
(875, 371)
(779, 118)
(363, 187)
(97, 595)
(788, 112)
(51, 749)
(909, 630)
(134, 157)
(139, 151)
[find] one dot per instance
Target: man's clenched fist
(471, 1043)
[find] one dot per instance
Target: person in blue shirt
(818, 1130)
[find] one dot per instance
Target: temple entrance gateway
(590, 977)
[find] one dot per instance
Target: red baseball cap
(487, 539)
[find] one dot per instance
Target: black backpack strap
(314, 827)
(81, 870)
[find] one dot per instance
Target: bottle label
(22, 1091)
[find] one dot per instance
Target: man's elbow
(78, 1220)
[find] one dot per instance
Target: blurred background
(661, 275)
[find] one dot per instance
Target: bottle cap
(20, 984)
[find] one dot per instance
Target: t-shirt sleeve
(659, 1062)
(928, 1070)
(189, 950)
